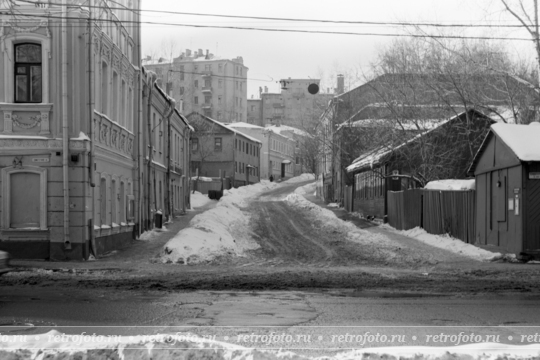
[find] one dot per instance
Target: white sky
(271, 56)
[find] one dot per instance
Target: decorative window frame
(9, 63)
(6, 194)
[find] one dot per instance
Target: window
(196, 100)
(194, 145)
(114, 115)
(104, 88)
(217, 144)
(28, 81)
(207, 83)
(236, 144)
(207, 99)
(196, 84)
(220, 67)
(219, 100)
(220, 84)
(181, 90)
(181, 72)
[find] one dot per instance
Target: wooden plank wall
(438, 212)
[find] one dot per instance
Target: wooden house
(442, 152)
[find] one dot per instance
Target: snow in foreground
(448, 243)
(222, 231)
(199, 200)
(56, 345)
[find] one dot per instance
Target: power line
(386, 23)
(278, 30)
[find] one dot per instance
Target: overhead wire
(351, 22)
(49, 16)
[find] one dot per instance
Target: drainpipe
(172, 105)
(91, 105)
(187, 175)
(65, 128)
(151, 79)
(234, 161)
(140, 156)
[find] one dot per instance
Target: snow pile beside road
(300, 178)
(56, 345)
(329, 219)
(306, 189)
(221, 231)
(199, 200)
(152, 234)
(448, 243)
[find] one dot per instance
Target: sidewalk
(131, 257)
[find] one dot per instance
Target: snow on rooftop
(523, 140)
(451, 184)
(280, 128)
(244, 125)
(374, 157)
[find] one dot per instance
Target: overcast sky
(271, 56)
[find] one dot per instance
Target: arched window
(28, 74)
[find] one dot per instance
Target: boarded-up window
(25, 200)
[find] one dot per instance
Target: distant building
(254, 115)
(201, 82)
(294, 106)
(277, 152)
(219, 150)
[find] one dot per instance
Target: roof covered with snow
(225, 127)
(244, 125)
(280, 128)
(451, 184)
(374, 157)
(523, 140)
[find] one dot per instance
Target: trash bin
(158, 219)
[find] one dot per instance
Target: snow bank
(333, 205)
(152, 234)
(306, 189)
(300, 178)
(451, 184)
(199, 200)
(448, 243)
(329, 219)
(221, 231)
(56, 345)
(201, 178)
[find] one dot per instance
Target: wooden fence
(438, 212)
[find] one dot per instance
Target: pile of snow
(152, 234)
(300, 178)
(306, 189)
(56, 345)
(198, 200)
(329, 219)
(333, 205)
(448, 243)
(202, 178)
(451, 184)
(221, 231)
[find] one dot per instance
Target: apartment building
(204, 83)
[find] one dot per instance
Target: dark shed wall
(496, 155)
(498, 180)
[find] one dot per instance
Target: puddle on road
(385, 295)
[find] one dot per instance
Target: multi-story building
(218, 150)
(68, 130)
(294, 106)
(72, 135)
(277, 151)
(207, 84)
(164, 160)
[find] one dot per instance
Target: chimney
(340, 84)
(266, 89)
(188, 52)
(207, 54)
(200, 52)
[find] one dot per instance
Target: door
(25, 200)
(283, 171)
(532, 211)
